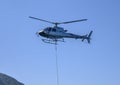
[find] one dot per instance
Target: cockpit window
(49, 29)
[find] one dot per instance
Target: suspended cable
(57, 69)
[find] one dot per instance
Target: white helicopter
(54, 34)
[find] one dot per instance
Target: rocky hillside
(7, 80)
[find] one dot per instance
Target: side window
(54, 30)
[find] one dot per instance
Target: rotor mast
(56, 24)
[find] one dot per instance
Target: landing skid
(52, 41)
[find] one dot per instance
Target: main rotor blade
(41, 20)
(73, 21)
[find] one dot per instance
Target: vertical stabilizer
(89, 36)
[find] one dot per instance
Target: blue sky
(25, 57)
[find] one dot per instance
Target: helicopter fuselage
(58, 32)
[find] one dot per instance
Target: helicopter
(54, 34)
